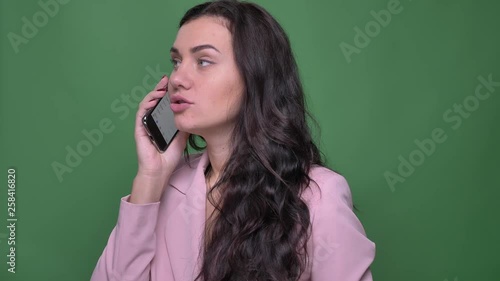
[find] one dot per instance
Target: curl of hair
(263, 224)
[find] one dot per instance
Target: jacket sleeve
(131, 244)
(341, 250)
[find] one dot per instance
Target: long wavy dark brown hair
(263, 225)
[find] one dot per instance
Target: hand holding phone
(152, 162)
(160, 124)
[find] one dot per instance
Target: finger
(153, 96)
(145, 106)
(162, 84)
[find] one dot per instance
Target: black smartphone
(160, 124)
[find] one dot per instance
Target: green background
(440, 223)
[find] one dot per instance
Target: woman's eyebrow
(195, 49)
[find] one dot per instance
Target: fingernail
(163, 76)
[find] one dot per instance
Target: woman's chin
(187, 129)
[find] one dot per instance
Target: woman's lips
(179, 103)
(179, 107)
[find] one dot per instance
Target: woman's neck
(218, 150)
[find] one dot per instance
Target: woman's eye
(204, 61)
(173, 62)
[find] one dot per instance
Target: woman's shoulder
(338, 245)
(327, 186)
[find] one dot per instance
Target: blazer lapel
(184, 231)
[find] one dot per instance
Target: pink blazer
(160, 241)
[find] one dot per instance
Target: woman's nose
(180, 77)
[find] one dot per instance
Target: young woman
(256, 203)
